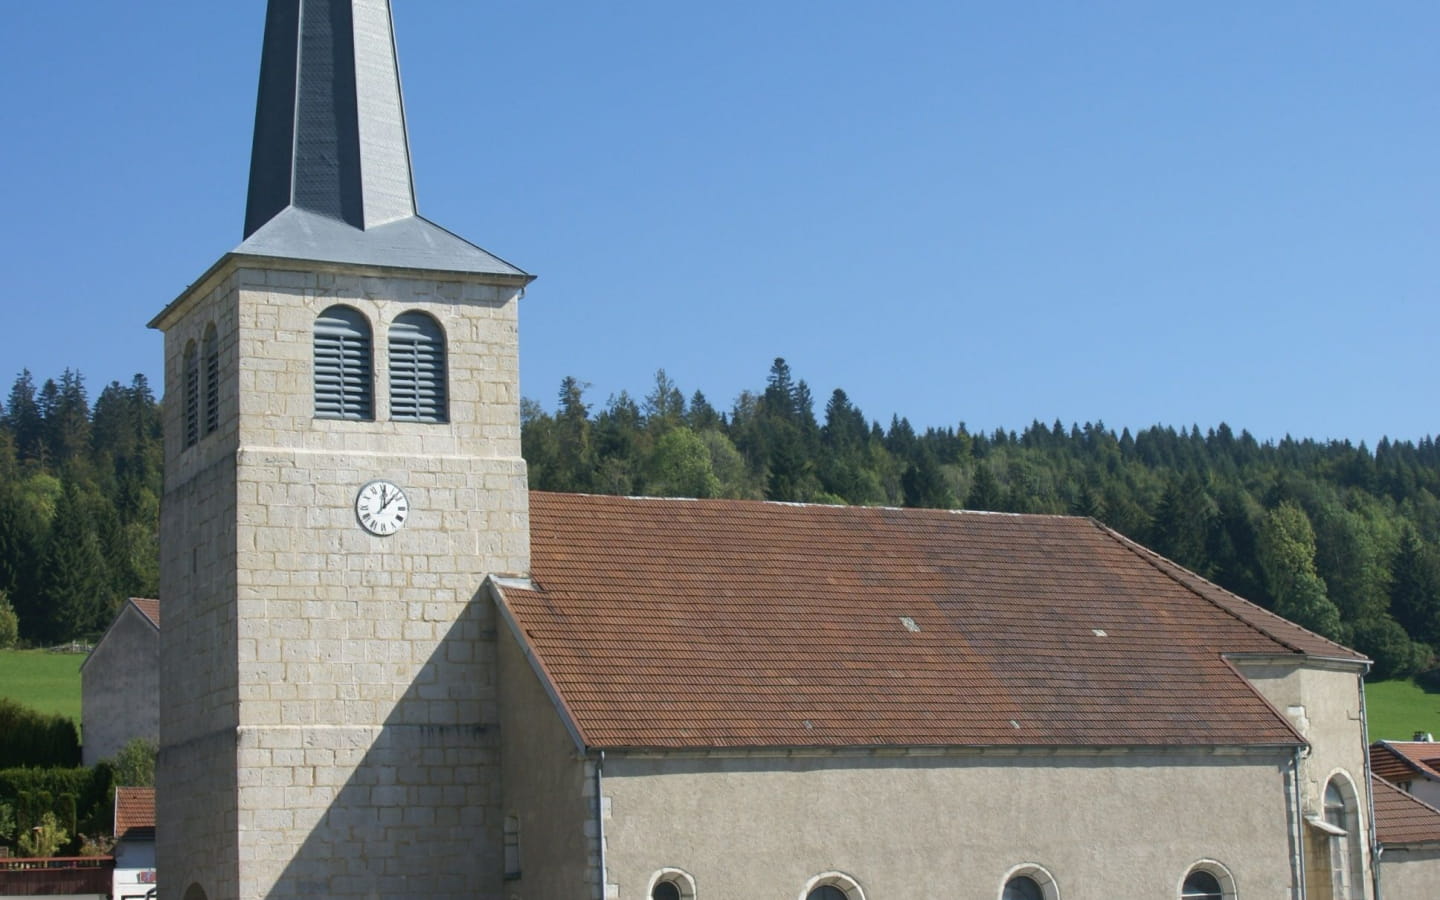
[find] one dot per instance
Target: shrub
(79, 799)
(9, 624)
(135, 763)
(44, 839)
(32, 738)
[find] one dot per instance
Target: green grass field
(49, 682)
(1397, 709)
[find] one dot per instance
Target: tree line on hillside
(1341, 539)
(79, 505)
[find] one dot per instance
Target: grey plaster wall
(1410, 874)
(120, 687)
(1324, 703)
(1106, 825)
(545, 786)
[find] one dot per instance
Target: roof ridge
(810, 504)
(1188, 580)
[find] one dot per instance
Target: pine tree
(576, 469)
(664, 406)
(985, 491)
(72, 580)
(1414, 592)
(23, 420)
(924, 484)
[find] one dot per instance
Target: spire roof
(330, 174)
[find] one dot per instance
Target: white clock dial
(381, 508)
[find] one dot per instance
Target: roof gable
(147, 611)
(689, 623)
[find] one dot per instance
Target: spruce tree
(1414, 592)
(986, 494)
(72, 581)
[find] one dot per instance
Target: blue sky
(1135, 212)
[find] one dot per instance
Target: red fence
(58, 875)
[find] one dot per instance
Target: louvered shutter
(192, 396)
(417, 369)
(343, 365)
(212, 381)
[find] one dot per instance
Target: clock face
(381, 508)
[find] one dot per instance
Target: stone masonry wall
(195, 778)
(368, 742)
(329, 718)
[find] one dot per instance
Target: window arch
(344, 367)
(671, 884)
(417, 369)
(832, 886)
(1341, 805)
(210, 350)
(194, 891)
(1029, 882)
(1208, 880)
(191, 376)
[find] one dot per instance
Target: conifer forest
(1342, 538)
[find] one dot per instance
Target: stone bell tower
(342, 470)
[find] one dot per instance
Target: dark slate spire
(330, 174)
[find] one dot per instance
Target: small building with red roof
(1408, 842)
(134, 877)
(1412, 766)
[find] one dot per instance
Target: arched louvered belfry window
(417, 369)
(210, 350)
(344, 365)
(191, 375)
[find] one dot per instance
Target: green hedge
(32, 738)
(83, 800)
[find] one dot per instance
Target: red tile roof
(1402, 819)
(151, 609)
(718, 623)
(134, 812)
(1399, 761)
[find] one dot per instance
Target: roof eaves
(1418, 767)
(942, 750)
(537, 665)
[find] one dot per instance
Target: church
(389, 670)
